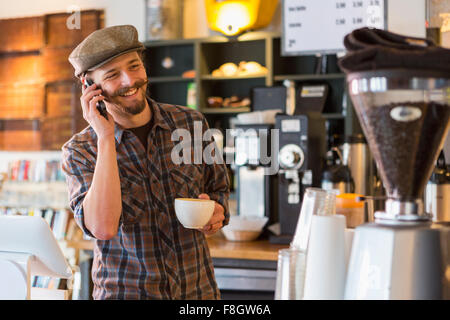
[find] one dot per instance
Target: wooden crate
(58, 33)
(63, 100)
(56, 65)
(20, 67)
(21, 34)
(20, 135)
(22, 100)
(55, 132)
(77, 112)
(58, 98)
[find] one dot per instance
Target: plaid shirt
(152, 256)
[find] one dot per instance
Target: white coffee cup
(194, 213)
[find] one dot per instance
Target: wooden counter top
(220, 248)
(254, 250)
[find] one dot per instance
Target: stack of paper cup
(315, 202)
(326, 261)
(290, 274)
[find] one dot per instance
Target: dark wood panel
(55, 132)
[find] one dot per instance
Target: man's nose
(126, 80)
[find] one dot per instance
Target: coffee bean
(405, 143)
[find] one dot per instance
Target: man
(123, 182)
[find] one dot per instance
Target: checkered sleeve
(79, 173)
(217, 181)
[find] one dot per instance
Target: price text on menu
(311, 26)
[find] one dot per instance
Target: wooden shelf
(333, 116)
(174, 42)
(252, 76)
(225, 110)
(206, 54)
(169, 79)
(305, 77)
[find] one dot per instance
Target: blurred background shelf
(305, 77)
(225, 110)
(244, 77)
(169, 79)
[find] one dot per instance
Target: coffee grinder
(405, 117)
(301, 154)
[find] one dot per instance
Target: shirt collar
(158, 120)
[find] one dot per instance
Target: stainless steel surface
(394, 262)
(437, 201)
(357, 157)
(403, 211)
(245, 279)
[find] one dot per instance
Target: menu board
(312, 26)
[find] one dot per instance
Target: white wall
(407, 17)
(116, 11)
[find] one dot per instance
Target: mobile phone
(101, 104)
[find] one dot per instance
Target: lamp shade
(232, 17)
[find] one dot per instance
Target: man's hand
(216, 221)
(89, 98)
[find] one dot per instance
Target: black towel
(372, 49)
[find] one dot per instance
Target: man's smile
(130, 92)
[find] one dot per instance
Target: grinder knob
(291, 157)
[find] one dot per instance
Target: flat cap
(103, 45)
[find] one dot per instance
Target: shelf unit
(207, 54)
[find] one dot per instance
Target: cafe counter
(220, 248)
(243, 270)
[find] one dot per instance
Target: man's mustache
(138, 84)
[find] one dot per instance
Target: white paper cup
(193, 213)
(325, 263)
(349, 233)
(290, 274)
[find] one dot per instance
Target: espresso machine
(256, 187)
(403, 254)
(301, 154)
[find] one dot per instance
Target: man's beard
(135, 108)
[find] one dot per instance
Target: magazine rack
(28, 248)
